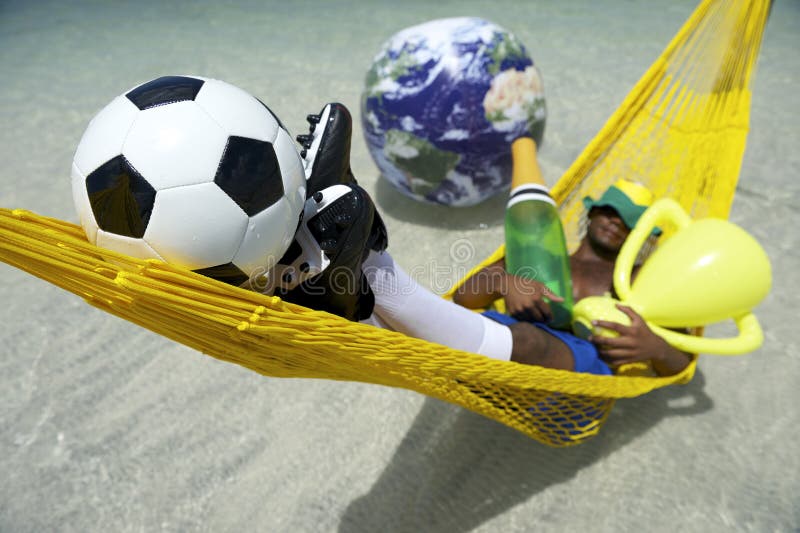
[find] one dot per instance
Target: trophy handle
(749, 339)
(663, 210)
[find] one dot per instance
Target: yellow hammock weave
(681, 130)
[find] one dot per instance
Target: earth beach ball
(441, 105)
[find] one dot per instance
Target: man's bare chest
(591, 278)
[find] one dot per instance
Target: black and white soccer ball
(192, 171)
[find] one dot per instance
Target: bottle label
(530, 191)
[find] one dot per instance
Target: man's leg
(401, 304)
(533, 346)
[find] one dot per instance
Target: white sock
(401, 304)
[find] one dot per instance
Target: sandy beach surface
(108, 427)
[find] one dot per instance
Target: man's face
(606, 229)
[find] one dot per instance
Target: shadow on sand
(454, 470)
(487, 214)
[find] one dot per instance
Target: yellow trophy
(710, 270)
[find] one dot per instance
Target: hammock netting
(681, 131)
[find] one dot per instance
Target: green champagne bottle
(535, 244)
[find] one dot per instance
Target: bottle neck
(525, 168)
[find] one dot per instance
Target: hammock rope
(681, 131)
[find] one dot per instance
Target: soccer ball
(192, 171)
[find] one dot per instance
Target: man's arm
(525, 298)
(637, 342)
(483, 287)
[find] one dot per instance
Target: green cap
(627, 198)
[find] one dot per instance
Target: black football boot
(326, 158)
(340, 226)
(338, 221)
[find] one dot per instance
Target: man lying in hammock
(362, 281)
(609, 221)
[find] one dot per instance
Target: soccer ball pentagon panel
(192, 171)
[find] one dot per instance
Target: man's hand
(637, 342)
(525, 299)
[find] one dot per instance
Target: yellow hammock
(681, 131)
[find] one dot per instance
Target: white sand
(107, 427)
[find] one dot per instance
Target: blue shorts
(583, 352)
